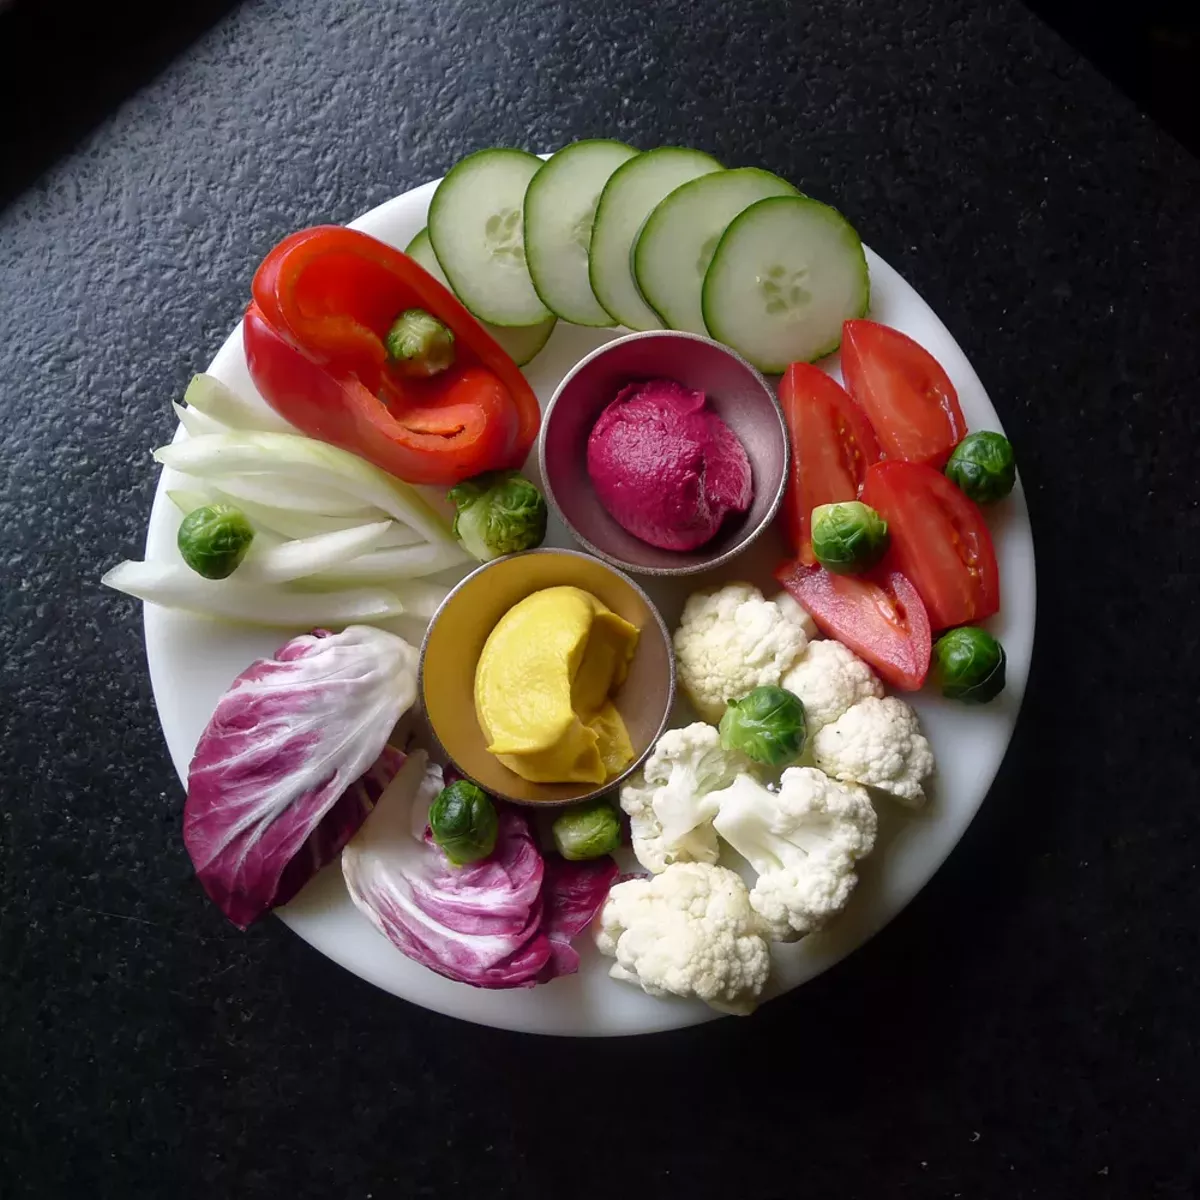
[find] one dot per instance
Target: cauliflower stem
(803, 841)
(670, 813)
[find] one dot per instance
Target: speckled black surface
(1027, 1028)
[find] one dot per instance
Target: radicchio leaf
(572, 893)
(338, 825)
(476, 924)
(291, 763)
(503, 922)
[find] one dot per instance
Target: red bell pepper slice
(324, 300)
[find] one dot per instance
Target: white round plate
(193, 660)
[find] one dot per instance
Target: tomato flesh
(879, 616)
(938, 539)
(904, 391)
(833, 444)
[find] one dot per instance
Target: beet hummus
(666, 467)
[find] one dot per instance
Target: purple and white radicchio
(572, 894)
(504, 922)
(292, 762)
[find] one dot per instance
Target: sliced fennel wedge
(522, 342)
(420, 598)
(786, 273)
(188, 501)
(387, 563)
(234, 458)
(310, 556)
(293, 523)
(196, 422)
(478, 235)
(309, 499)
(560, 209)
(173, 585)
(208, 395)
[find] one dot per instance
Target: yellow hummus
(543, 684)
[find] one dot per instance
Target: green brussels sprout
(463, 820)
(968, 664)
(214, 539)
(419, 344)
(767, 726)
(983, 467)
(589, 830)
(848, 537)
(498, 512)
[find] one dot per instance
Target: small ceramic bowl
(736, 391)
(454, 641)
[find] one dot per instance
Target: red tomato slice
(833, 444)
(902, 388)
(879, 616)
(938, 539)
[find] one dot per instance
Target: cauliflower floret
(797, 613)
(829, 679)
(687, 932)
(877, 743)
(803, 841)
(670, 814)
(731, 641)
(795, 903)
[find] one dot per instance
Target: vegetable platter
(193, 660)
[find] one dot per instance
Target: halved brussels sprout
(498, 512)
(588, 830)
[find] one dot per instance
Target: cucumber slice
(680, 236)
(786, 273)
(521, 341)
(560, 207)
(629, 197)
(478, 235)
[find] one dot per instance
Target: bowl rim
(704, 564)
(609, 784)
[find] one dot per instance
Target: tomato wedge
(879, 616)
(833, 444)
(902, 388)
(939, 540)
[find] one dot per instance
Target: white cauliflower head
(732, 640)
(796, 612)
(829, 679)
(877, 743)
(670, 814)
(803, 841)
(687, 932)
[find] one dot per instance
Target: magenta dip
(665, 467)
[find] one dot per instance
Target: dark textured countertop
(1027, 1028)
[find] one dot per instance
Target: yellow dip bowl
(454, 641)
